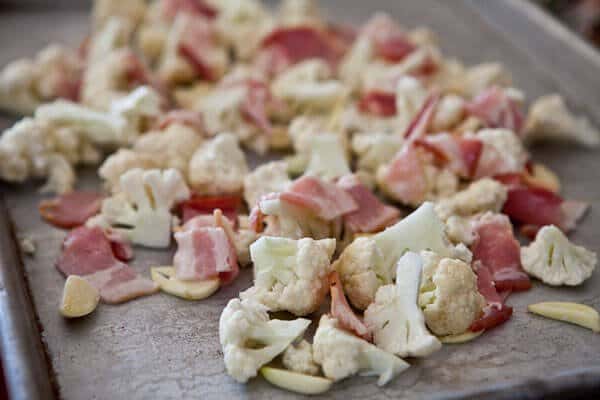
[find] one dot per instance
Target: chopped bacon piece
(71, 209)
(461, 155)
(372, 215)
(340, 309)
(496, 248)
(197, 39)
(495, 312)
(342, 35)
(391, 42)
(326, 200)
(121, 248)
(420, 124)
(170, 8)
(188, 118)
(406, 179)
(379, 103)
(290, 45)
(497, 110)
(205, 205)
(205, 253)
(88, 252)
(255, 105)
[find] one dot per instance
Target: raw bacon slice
(496, 248)
(497, 110)
(460, 154)
(121, 248)
(71, 209)
(372, 215)
(340, 309)
(256, 104)
(197, 39)
(420, 124)
(326, 200)
(87, 252)
(495, 312)
(391, 42)
(205, 205)
(205, 253)
(290, 45)
(379, 103)
(342, 35)
(405, 179)
(170, 8)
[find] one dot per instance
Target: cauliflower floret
(327, 158)
(449, 112)
(250, 340)
(61, 176)
(505, 145)
(115, 34)
(461, 229)
(243, 239)
(356, 62)
(299, 358)
(174, 146)
(341, 354)
(289, 274)
(218, 166)
(395, 318)
(375, 149)
(17, 91)
(554, 260)
(448, 295)
(141, 211)
(410, 97)
(122, 161)
(482, 195)
(308, 85)
(483, 76)
(267, 178)
(132, 11)
(550, 119)
(368, 262)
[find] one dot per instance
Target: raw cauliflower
(299, 358)
(449, 113)
(483, 76)
(299, 12)
(448, 294)
(356, 61)
(482, 195)
(327, 158)
(395, 318)
(132, 11)
(342, 354)
(410, 97)
(218, 166)
(250, 340)
(554, 260)
(550, 119)
(122, 161)
(268, 178)
(141, 211)
(115, 34)
(502, 150)
(375, 149)
(289, 274)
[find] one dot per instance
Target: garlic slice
(296, 382)
(80, 298)
(578, 314)
(460, 337)
(189, 290)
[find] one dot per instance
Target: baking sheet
(163, 347)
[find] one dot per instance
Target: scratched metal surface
(162, 347)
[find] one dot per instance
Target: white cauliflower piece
(289, 274)
(355, 121)
(218, 166)
(17, 87)
(410, 97)
(550, 119)
(250, 340)
(141, 211)
(505, 144)
(369, 262)
(132, 11)
(449, 112)
(268, 178)
(375, 149)
(342, 354)
(482, 195)
(122, 161)
(299, 358)
(327, 158)
(448, 294)
(309, 85)
(484, 76)
(554, 260)
(461, 229)
(395, 318)
(61, 176)
(356, 62)
(115, 34)
(299, 12)
(173, 147)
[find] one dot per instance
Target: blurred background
(583, 16)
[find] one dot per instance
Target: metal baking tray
(162, 347)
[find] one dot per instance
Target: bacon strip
(496, 248)
(495, 312)
(340, 309)
(197, 39)
(497, 110)
(461, 155)
(170, 8)
(326, 200)
(391, 43)
(372, 215)
(71, 209)
(420, 124)
(405, 179)
(379, 103)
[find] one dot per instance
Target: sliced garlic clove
(295, 382)
(80, 298)
(189, 290)
(460, 337)
(578, 314)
